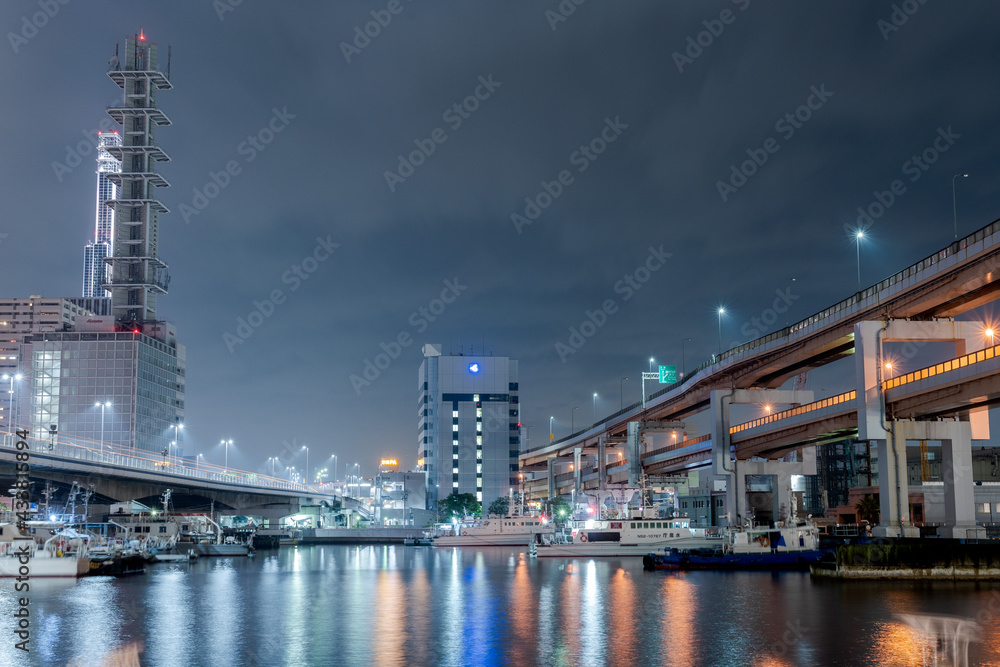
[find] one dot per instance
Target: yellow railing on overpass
(943, 367)
(794, 412)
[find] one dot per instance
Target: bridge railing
(834, 310)
(138, 460)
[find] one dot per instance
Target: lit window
(479, 454)
(479, 467)
(479, 427)
(455, 456)
(454, 427)
(479, 440)
(479, 412)
(454, 471)
(455, 484)
(454, 413)
(479, 496)
(475, 397)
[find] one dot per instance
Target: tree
(868, 510)
(458, 505)
(557, 509)
(499, 507)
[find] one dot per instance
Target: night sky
(593, 147)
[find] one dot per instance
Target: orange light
(989, 332)
(767, 408)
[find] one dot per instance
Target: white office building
(469, 425)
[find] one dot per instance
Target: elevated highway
(915, 304)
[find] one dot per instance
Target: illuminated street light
(858, 235)
(226, 443)
(595, 407)
(954, 207)
(722, 311)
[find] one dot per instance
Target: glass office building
(141, 377)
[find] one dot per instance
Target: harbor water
(394, 605)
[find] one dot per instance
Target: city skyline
(631, 192)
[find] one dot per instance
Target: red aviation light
(142, 37)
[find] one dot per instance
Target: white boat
(173, 558)
(64, 554)
(494, 532)
(636, 536)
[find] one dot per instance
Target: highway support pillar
(602, 463)
(577, 474)
(551, 464)
(634, 455)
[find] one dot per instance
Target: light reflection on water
(341, 605)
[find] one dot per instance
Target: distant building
(96, 271)
(469, 425)
(401, 498)
(76, 355)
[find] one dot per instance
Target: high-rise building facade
(469, 425)
(96, 271)
(138, 275)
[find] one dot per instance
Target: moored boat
(629, 537)
(64, 554)
(495, 532)
(780, 548)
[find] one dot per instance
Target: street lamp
(621, 393)
(12, 426)
(954, 207)
(307, 463)
(334, 457)
(226, 443)
(177, 428)
(651, 360)
(858, 235)
(722, 311)
(551, 434)
(106, 404)
(595, 407)
(572, 420)
(683, 368)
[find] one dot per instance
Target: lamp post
(106, 404)
(621, 393)
(334, 457)
(226, 443)
(552, 435)
(954, 207)
(595, 407)
(306, 478)
(12, 425)
(572, 420)
(722, 311)
(683, 368)
(858, 235)
(651, 360)
(177, 428)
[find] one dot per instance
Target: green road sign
(668, 374)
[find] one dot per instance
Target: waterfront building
(468, 425)
(96, 271)
(76, 355)
(401, 498)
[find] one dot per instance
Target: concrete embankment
(934, 559)
(372, 535)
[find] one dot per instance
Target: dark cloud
(656, 184)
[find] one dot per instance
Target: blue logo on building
(473, 368)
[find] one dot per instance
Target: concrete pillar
(551, 463)
(893, 488)
(867, 371)
(737, 490)
(634, 455)
(956, 466)
(602, 463)
(577, 474)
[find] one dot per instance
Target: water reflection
(394, 606)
